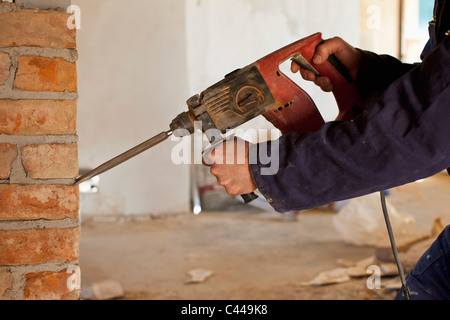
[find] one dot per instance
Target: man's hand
(229, 163)
(346, 54)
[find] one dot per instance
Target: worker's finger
(208, 158)
(344, 52)
(328, 47)
(307, 75)
(295, 67)
(324, 83)
(222, 180)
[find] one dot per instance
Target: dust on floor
(252, 255)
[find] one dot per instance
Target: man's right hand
(344, 52)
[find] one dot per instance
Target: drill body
(241, 96)
(262, 89)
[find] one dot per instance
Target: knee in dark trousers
(430, 277)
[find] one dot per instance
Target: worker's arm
(404, 136)
(376, 73)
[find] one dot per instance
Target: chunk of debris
(392, 284)
(437, 227)
(388, 269)
(352, 270)
(198, 275)
(346, 263)
(333, 276)
(359, 269)
(102, 290)
(384, 254)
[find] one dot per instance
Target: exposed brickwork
(38, 246)
(6, 283)
(38, 117)
(36, 29)
(51, 286)
(39, 225)
(5, 65)
(8, 153)
(30, 202)
(45, 74)
(50, 161)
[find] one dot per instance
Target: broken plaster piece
(103, 290)
(333, 276)
(198, 275)
(392, 284)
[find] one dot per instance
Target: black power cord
(406, 293)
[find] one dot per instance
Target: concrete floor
(253, 255)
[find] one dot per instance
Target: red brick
(36, 29)
(39, 246)
(30, 202)
(51, 286)
(38, 117)
(8, 153)
(50, 161)
(6, 283)
(5, 64)
(45, 74)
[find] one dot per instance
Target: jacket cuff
(264, 182)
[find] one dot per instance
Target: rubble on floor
(102, 290)
(198, 275)
(380, 269)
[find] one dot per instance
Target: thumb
(344, 52)
(208, 158)
(335, 46)
(324, 50)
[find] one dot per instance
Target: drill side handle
(249, 197)
(295, 110)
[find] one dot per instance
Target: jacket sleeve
(403, 136)
(376, 73)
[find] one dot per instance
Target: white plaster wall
(139, 62)
(132, 82)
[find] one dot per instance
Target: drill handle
(295, 110)
(249, 197)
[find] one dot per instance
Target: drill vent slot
(219, 102)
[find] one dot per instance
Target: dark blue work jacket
(403, 135)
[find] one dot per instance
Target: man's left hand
(229, 163)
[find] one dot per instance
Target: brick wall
(39, 225)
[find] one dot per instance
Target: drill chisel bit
(124, 156)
